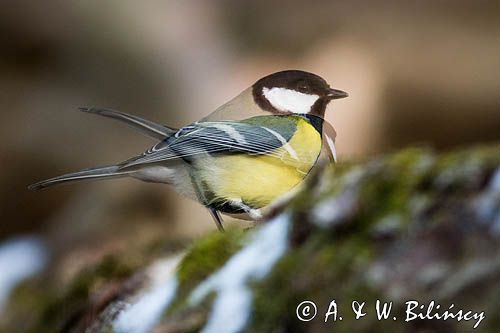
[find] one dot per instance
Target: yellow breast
(258, 180)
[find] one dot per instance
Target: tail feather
(147, 127)
(106, 172)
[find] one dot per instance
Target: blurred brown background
(418, 72)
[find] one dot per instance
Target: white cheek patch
(289, 100)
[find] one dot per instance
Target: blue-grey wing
(209, 138)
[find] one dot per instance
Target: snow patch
(20, 258)
(232, 305)
(145, 313)
(487, 204)
(330, 212)
(495, 182)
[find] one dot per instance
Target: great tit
(240, 158)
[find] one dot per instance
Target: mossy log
(410, 226)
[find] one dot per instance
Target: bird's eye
(303, 88)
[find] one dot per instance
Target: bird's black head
(294, 91)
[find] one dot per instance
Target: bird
(240, 158)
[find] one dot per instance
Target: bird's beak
(336, 94)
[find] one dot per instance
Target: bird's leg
(213, 212)
(217, 218)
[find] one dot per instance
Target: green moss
(208, 254)
(319, 270)
(107, 329)
(204, 257)
(387, 190)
